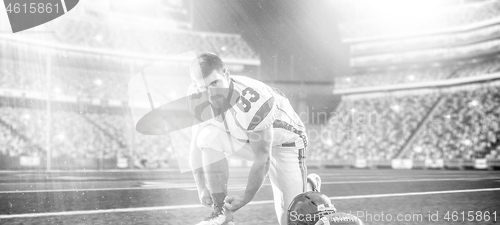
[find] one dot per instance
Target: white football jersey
(253, 106)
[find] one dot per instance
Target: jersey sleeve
(257, 106)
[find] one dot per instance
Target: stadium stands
(72, 136)
(478, 67)
(393, 77)
(428, 55)
(465, 126)
(375, 128)
(11, 144)
(421, 73)
(84, 80)
(80, 136)
(458, 123)
(454, 17)
(152, 40)
(429, 41)
(148, 151)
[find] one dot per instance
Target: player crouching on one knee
(243, 117)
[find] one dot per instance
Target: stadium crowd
(121, 37)
(95, 135)
(80, 136)
(422, 73)
(372, 128)
(72, 136)
(75, 82)
(428, 55)
(465, 126)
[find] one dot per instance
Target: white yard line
(174, 207)
(165, 185)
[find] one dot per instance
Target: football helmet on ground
(314, 208)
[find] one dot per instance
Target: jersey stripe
(303, 168)
(284, 125)
(261, 113)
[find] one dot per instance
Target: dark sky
(306, 29)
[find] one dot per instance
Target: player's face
(216, 85)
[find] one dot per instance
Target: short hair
(207, 63)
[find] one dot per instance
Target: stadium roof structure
(445, 20)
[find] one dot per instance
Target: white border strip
(64, 6)
(142, 209)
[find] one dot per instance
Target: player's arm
(196, 160)
(196, 103)
(261, 144)
(196, 163)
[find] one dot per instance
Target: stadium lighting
(27, 116)
(60, 137)
(411, 77)
(396, 108)
(348, 79)
(328, 142)
(98, 37)
(418, 149)
(436, 64)
(98, 82)
(57, 90)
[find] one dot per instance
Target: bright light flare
(57, 90)
(401, 14)
(396, 108)
(474, 103)
(61, 137)
(391, 8)
(98, 82)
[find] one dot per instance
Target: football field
(169, 197)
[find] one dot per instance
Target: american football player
(246, 118)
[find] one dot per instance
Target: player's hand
(233, 203)
(323, 221)
(205, 197)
